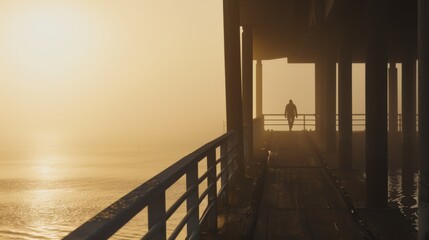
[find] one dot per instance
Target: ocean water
(404, 197)
(47, 192)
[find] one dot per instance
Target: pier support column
(259, 134)
(393, 98)
(345, 102)
(423, 53)
(319, 95)
(331, 104)
(258, 88)
(247, 38)
(234, 113)
(376, 104)
(408, 121)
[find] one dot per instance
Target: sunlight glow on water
(45, 196)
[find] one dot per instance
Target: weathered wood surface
(299, 200)
(237, 218)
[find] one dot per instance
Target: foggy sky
(135, 72)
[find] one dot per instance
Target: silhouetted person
(290, 114)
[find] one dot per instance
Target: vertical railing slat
(152, 195)
(224, 165)
(156, 215)
(193, 224)
(212, 193)
(304, 122)
(230, 160)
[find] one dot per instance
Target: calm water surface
(404, 197)
(46, 193)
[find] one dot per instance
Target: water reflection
(47, 194)
(403, 193)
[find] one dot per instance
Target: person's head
(290, 101)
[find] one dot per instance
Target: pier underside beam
(376, 104)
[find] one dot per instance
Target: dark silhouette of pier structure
(309, 187)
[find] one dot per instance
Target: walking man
(290, 114)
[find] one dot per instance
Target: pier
(324, 180)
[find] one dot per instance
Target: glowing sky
(126, 71)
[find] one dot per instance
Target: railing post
(212, 193)
(304, 122)
(156, 215)
(193, 224)
(224, 167)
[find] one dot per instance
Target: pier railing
(279, 122)
(307, 122)
(220, 156)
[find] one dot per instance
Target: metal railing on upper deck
(307, 122)
(279, 122)
(220, 153)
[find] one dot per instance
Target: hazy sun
(47, 38)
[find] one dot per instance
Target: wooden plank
(288, 224)
(332, 224)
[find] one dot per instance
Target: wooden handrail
(151, 194)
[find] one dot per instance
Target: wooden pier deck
(299, 199)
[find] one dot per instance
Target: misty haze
(98, 97)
